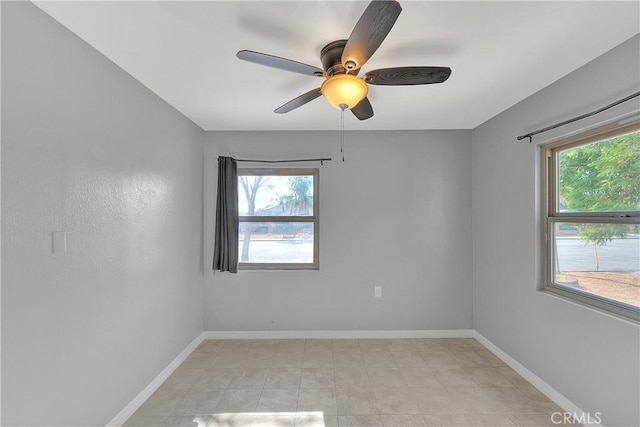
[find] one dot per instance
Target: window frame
(552, 215)
(315, 265)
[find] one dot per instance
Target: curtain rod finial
(521, 137)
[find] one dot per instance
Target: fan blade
(401, 76)
(368, 34)
(363, 110)
(299, 101)
(281, 63)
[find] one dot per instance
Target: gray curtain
(225, 250)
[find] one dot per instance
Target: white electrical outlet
(377, 291)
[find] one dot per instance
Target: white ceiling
(500, 53)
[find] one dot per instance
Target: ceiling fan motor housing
(331, 57)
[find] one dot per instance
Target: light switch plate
(59, 242)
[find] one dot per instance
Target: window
(278, 219)
(592, 210)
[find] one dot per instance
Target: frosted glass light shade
(344, 89)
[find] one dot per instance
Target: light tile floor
(326, 383)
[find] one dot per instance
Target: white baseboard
(445, 333)
(535, 380)
(137, 401)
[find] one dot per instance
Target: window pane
(275, 195)
(597, 258)
(276, 242)
(602, 176)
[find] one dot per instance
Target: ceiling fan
(342, 60)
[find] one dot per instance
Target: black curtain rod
(575, 119)
(321, 160)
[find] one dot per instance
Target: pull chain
(342, 108)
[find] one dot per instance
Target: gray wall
(589, 357)
(397, 213)
(88, 150)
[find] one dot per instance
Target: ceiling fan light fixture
(344, 89)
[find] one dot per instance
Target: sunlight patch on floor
(260, 419)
